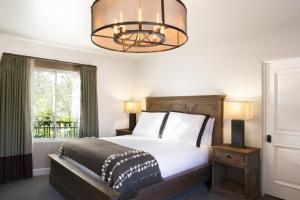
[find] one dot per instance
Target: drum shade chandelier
(139, 26)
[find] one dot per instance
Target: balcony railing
(62, 129)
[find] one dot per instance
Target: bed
(73, 181)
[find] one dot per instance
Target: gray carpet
(38, 188)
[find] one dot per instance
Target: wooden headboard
(209, 105)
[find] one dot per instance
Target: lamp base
(238, 133)
(132, 121)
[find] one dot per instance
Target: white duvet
(172, 157)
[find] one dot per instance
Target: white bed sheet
(172, 157)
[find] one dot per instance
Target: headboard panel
(210, 105)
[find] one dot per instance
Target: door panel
(282, 122)
(287, 99)
(287, 158)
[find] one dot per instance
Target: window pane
(67, 104)
(43, 104)
(56, 103)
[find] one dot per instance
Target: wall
(232, 67)
(114, 86)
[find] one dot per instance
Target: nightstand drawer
(229, 157)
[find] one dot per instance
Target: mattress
(172, 157)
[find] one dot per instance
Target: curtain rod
(46, 59)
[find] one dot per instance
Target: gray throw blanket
(124, 169)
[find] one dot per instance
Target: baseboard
(41, 172)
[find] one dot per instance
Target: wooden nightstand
(126, 131)
(236, 172)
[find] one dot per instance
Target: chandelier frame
(128, 42)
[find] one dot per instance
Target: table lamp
(132, 107)
(238, 112)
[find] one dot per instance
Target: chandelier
(139, 26)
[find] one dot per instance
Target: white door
(282, 123)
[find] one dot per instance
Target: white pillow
(149, 124)
(182, 127)
(208, 131)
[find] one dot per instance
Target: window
(55, 103)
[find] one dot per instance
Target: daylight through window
(55, 103)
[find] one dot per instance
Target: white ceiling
(67, 22)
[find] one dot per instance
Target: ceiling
(67, 22)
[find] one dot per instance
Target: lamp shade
(238, 110)
(132, 106)
(139, 26)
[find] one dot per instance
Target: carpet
(38, 188)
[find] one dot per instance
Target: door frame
(265, 65)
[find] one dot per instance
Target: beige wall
(114, 85)
(232, 67)
(40, 150)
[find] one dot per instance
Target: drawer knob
(228, 156)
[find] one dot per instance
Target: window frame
(55, 71)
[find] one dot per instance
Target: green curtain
(15, 118)
(89, 104)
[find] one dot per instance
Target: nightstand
(126, 131)
(236, 171)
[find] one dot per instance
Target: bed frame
(75, 184)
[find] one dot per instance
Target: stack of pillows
(174, 126)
